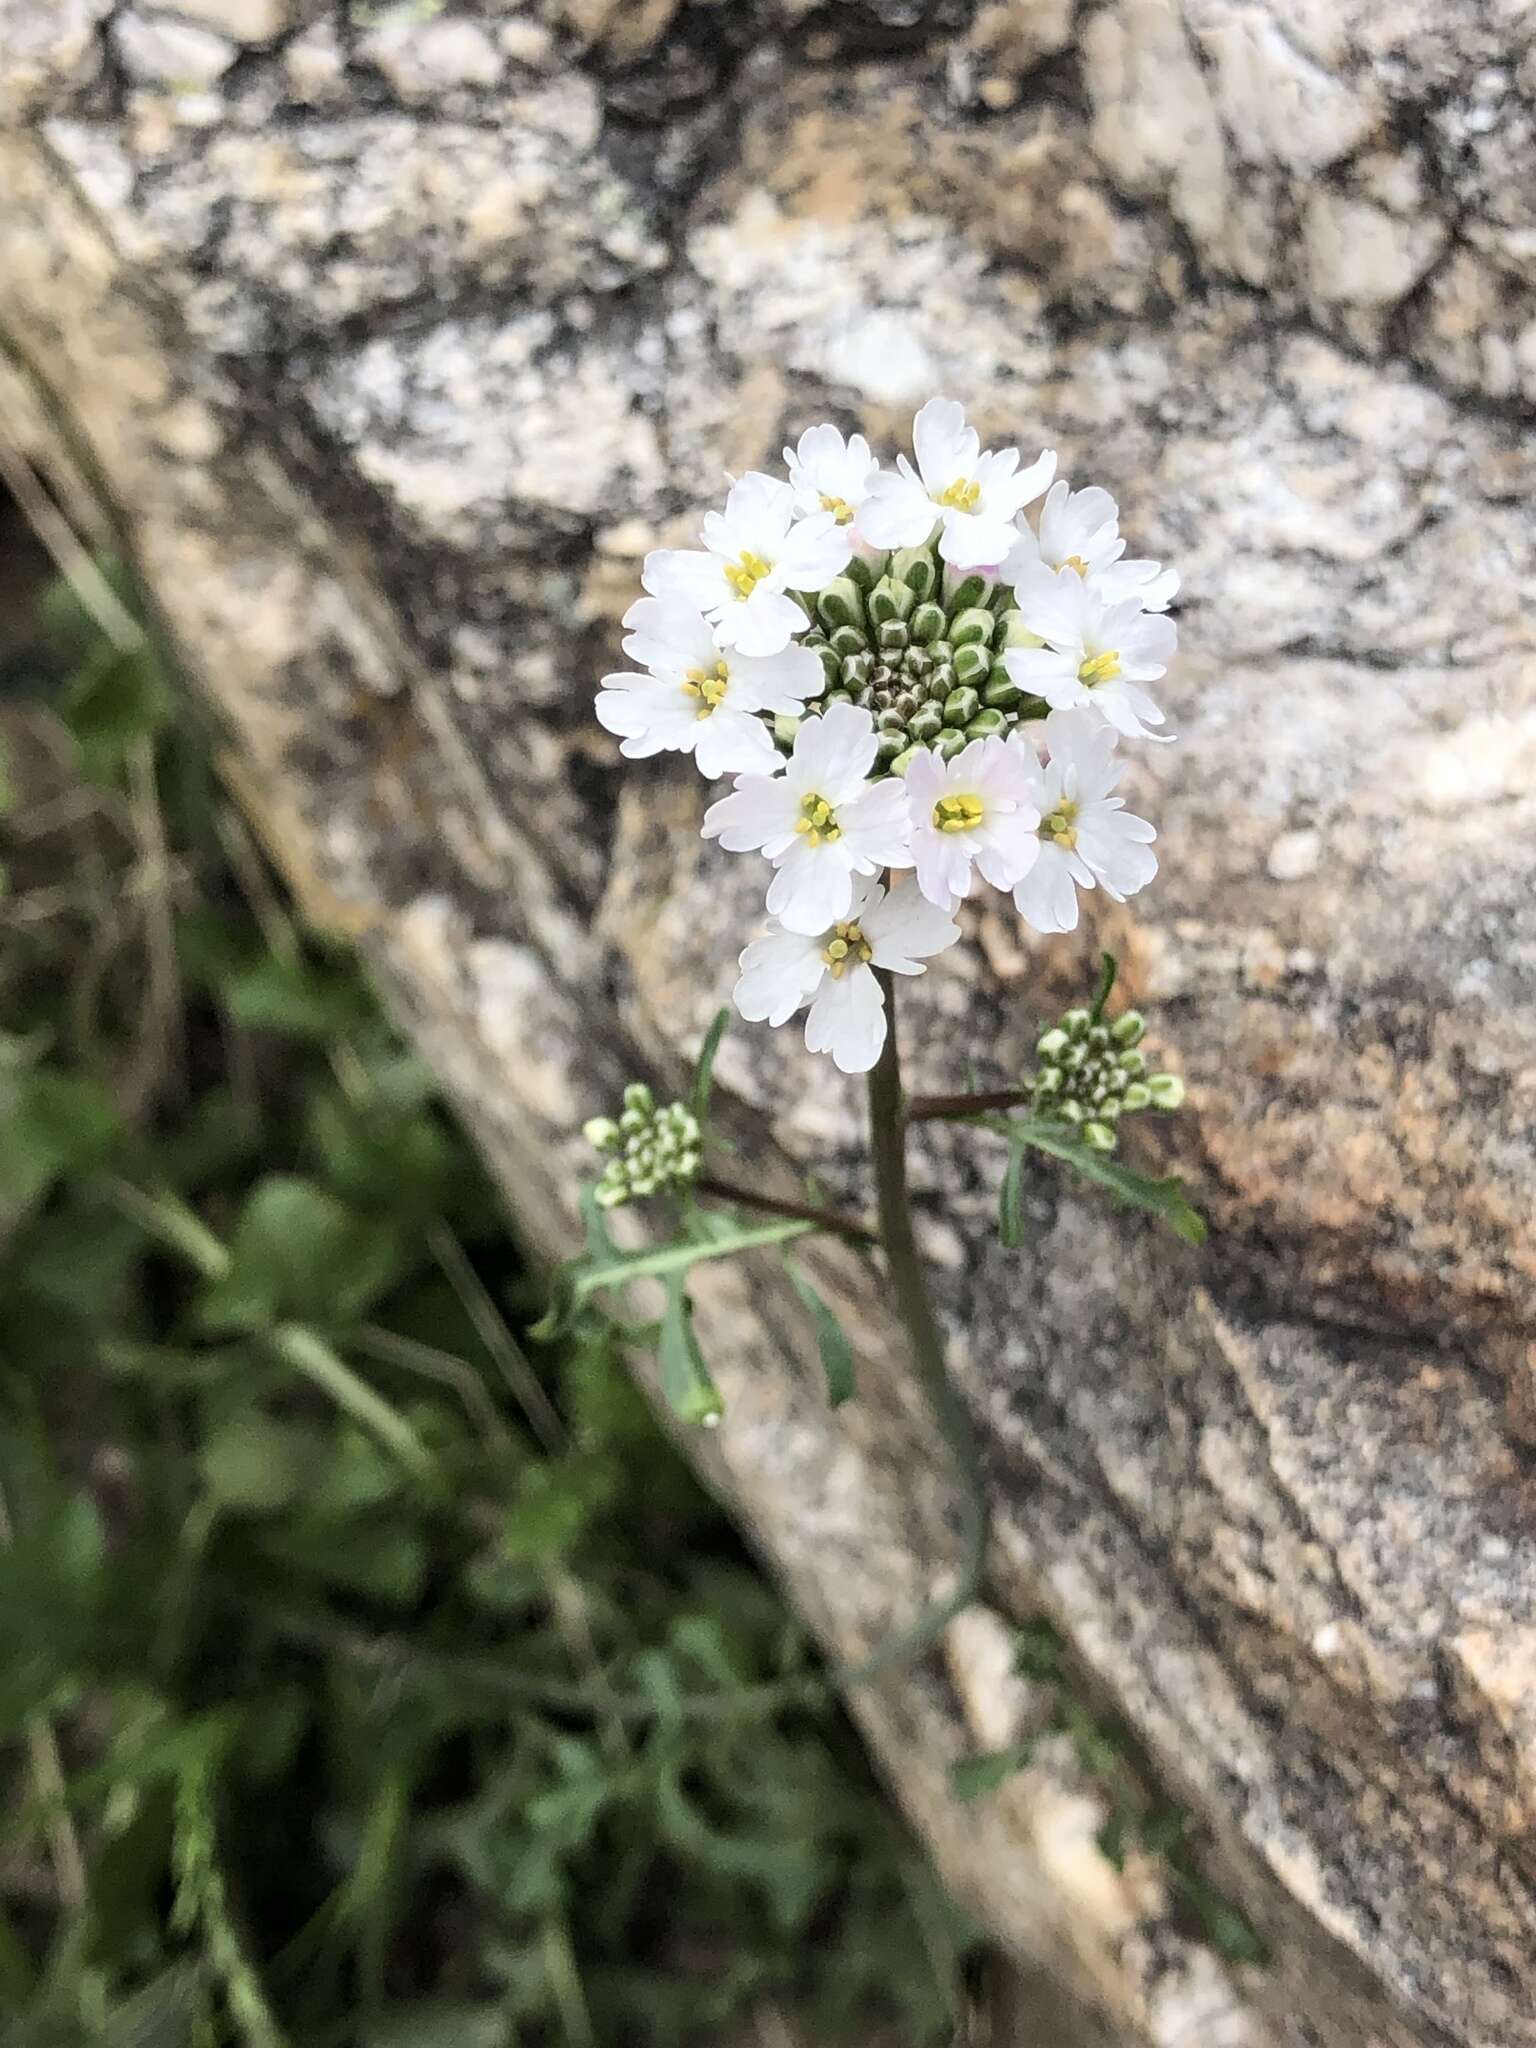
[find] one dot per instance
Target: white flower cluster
(902, 674)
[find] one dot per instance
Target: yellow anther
(745, 575)
(708, 684)
(1076, 562)
(840, 509)
(846, 948)
(958, 813)
(1061, 825)
(960, 496)
(1099, 668)
(817, 820)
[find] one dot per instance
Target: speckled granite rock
(398, 341)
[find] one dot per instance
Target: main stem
(888, 1149)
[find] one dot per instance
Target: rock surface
(399, 339)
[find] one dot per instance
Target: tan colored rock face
(476, 327)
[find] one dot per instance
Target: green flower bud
(1128, 1029)
(1137, 1096)
(927, 724)
(914, 567)
(1015, 633)
(638, 1097)
(1048, 1081)
(601, 1132)
(971, 624)
(841, 603)
(960, 707)
(1167, 1090)
(888, 601)
(905, 758)
(1075, 1058)
(948, 743)
(926, 623)
(985, 724)
(1000, 693)
(1099, 1136)
(892, 637)
(610, 1194)
(631, 1121)
(973, 664)
(892, 720)
(860, 572)
(1007, 621)
(968, 592)
(1052, 1042)
(857, 669)
(1131, 1061)
(849, 640)
(1071, 1111)
(1108, 1112)
(890, 747)
(831, 661)
(1098, 1036)
(1075, 1022)
(941, 650)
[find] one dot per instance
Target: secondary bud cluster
(927, 666)
(1092, 1074)
(649, 1150)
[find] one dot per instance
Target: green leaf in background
(973, 1777)
(691, 1393)
(117, 699)
(837, 1361)
(575, 1284)
(1010, 1201)
(52, 1123)
(254, 1464)
(704, 1073)
(298, 998)
(297, 1251)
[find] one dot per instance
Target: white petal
(669, 637)
(814, 551)
(1076, 522)
(758, 510)
(943, 865)
(812, 886)
(977, 540)
(777, 682)
(945, 447)
(764, 624)
(651, 716)
(1019, 490)
(907, 929)
(1080, 741)
(1047, 896)
(1056, 605)
(1116, 846)
(898, 513)
(834, 753)
(687, 576)
(759, 813)
(847, 1020)
(779, 972)
(1045, 673)
(876, 833)
(732, 742)
(1148, 642)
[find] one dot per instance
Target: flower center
(960, 496)
(957, 813)
(846, 948)
(745, 574)
(1076, 562)
(840, 508)
(709, 685)
(817, 820)
(1061, 825)
(1100, 668)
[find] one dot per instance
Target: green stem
(309, 1354)
(888, 1149)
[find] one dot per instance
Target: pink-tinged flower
(976, 811)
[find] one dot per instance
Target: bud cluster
(1092, 1074)
(928, 666)
(650, 1150)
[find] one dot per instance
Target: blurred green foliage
(368, 1674)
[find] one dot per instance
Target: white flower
(1094, 654)
(821, 822)
(829, 474)
(833, 970)
(1087, 837)
(975, 497)
(1081, 530)
(754, 553)
(977, 809)
(699, 698)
